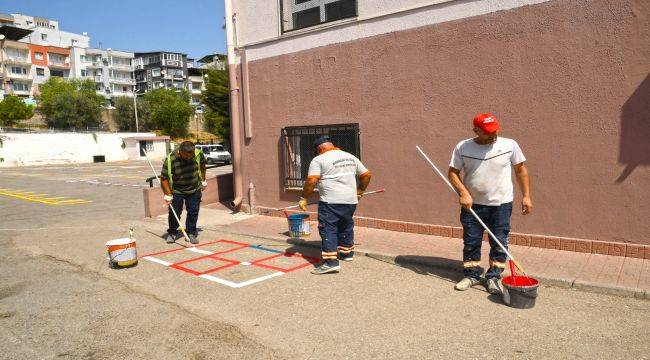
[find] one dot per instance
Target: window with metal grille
(298, 148)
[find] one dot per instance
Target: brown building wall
(568, 80)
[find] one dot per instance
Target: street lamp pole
(135, 108)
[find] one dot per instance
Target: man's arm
(521, 171)
(465, 199)
(307, 190)
(364, 181)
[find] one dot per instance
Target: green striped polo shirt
(184, 173)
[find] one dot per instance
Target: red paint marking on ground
(310, 261)
(179, 249)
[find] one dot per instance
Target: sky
(192, 27)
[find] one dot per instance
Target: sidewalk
(616, 275)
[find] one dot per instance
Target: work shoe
(493, 286)
(346, 257)
(325, 268)
(466, 283)
(193, 239)
(170, 238)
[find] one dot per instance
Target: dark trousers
(336, 229)
(497, 219)
(192, 204)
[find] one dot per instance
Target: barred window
(298, 148)
(299, 14)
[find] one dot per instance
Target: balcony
(126, 67)
(94, 64)
(20, 92)
(59, 65)
(122, 81)
(24, 77)
(17, 60)
(196, 91)
(98, 78)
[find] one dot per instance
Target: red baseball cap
(487, 123)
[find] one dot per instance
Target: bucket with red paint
(519, 292)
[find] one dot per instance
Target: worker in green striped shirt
(183, 180)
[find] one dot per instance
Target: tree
(170, 111)
(13, 109)
(216, 98)
(124, 115)
(70, 104)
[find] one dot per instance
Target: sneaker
(493, 286)
(325, 268)
(170, 238)
(466, 283)
(347, 258)
(193, 239)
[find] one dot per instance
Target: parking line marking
(162, 262)
(41, 199)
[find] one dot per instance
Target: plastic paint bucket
(298, 225)
(519, 292)
(122, 253)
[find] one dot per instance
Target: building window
(298, 148)
(300, 14)
(38, 55)
(18, 86)
(41, 72)
(57, 73)
(44, 37)
(74, 42)
(155, 72)
(18, 70)
(84, 72)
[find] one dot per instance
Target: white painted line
(253, 281)
(245, 263)
(153, 259)
(199, 251)
(219, 280)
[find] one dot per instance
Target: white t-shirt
(486, 168)
(338, 171)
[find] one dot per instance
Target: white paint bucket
(122, 253)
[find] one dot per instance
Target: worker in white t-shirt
(486, 187)
(335, 171)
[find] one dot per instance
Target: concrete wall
(568, 79)
(258, 29)
(64, 148)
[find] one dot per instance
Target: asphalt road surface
(59, 299)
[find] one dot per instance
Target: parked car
(215, 154)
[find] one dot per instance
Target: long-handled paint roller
(155, 174)
(473, 213)
(312, 203)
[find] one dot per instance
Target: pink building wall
(567, 79)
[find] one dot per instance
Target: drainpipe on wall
(235, 136)
(245, 95)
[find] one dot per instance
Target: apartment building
(160, 69)
(195, 85)
(567, 79)
(111, 70)
(34, 50)
(213, 61)
(46, 32)
(18, 77)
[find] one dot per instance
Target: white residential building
(111, 70)
(46, 32)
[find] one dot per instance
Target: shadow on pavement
(442, 268)
(497, 299)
